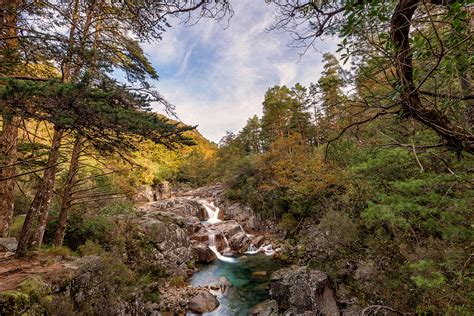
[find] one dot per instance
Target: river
(249, 282)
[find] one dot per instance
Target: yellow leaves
(296, 167)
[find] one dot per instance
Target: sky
(216, 74)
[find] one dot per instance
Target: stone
(204, 302)
(144, 194)
(163, 191)
(239, 242)
(265, 308)
(258, 241)
(300, 290)
(203, 253)
(259, 274)
(8, 244)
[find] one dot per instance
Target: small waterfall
(212, 212)
(213, 247)
(227, 249)
(267, 250)
(252, 250)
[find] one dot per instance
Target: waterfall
(212, 212)
(213, 247)
(227, 249)
(252, 250)
(267, 250)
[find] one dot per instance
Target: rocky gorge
(189, 252)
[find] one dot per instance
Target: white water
(212, 212)
(227, 249)
(212, 246)
(212, 218)
(267, 250)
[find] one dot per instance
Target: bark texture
(401, 21)
(8, 160)
(67, 195)
(41, 200)
(9, 133)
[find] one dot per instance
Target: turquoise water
(246, 289)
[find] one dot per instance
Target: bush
(338, 228)
(177, 281)
(16, 226)
(62, 251)
(90, 248)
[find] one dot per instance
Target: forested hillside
(364, 175)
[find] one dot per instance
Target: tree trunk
(400, 25)
(8, 158)
(9, 133)
(67, 193)
(48, 189)
(42, 198)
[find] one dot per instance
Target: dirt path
(13, 271)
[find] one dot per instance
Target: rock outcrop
(204, 302)
(301, 290)
(266, 308)
(145, 193)
(8, 244)
(203, 253)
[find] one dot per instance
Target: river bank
(190, 252)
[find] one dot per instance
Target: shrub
(90, 248)
(16, 226)
(177, 281)
(338, 228)
(62, 251)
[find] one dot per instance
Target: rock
(144, 194)
(203, 253)
(258, 241)
(204, 302)
(299, 290)
(239, 242)
(259, 274)
(8, 244)
(228, 228)
(162, 191)
(265, 308)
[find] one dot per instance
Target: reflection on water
(249, 279)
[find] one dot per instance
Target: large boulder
(300, 290)
(265, 308)
(203, 253)
(204, 302)
(163, 191)
(8, 244)
(239, 242)
(145, 193)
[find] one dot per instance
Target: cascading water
(267, 250)
(227, 249)
(212, 212)
(213, 247)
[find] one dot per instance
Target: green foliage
(90, 248)
(177, 281)
(32, 297)
(15, 227)
(62, 251)
(94, 224)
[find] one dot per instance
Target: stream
(249, 280)
(245, 278)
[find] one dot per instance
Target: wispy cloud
(217, 75)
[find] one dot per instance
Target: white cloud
(217, 77)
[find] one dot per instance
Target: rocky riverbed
(177, 236)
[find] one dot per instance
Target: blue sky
(216, 74)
